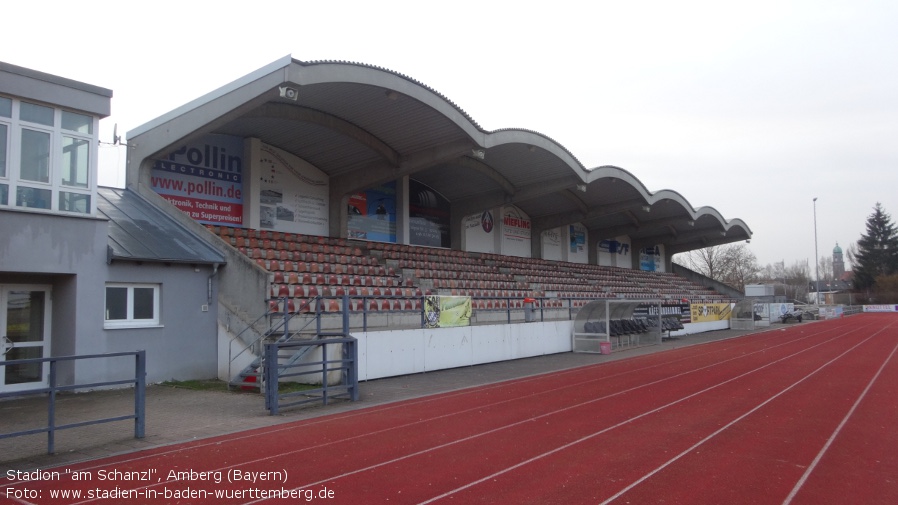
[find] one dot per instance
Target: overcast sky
(753, 108)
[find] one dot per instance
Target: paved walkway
(177, 415)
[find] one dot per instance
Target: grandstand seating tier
(394, 277)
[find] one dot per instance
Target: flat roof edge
(54, 79)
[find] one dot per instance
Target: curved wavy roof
(364, 125)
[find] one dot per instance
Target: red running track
(802, 415)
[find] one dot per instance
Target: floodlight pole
(816, 255)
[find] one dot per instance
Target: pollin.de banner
(204, 180)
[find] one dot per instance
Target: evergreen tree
(877, 250)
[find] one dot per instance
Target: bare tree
(731, 264)
(851, 255)
(826, 268)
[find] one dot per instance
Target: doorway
(24, 334)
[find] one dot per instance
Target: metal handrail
(268, 333)
(52, 388)
(271, 330)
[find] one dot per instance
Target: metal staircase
(250, 377)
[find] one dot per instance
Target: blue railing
(317, 306)
(139, 382)
(346, 363)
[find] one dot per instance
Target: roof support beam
(492, 199)
(306, 115)
(379, 172)
(484, 169)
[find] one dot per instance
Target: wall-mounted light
(478, 153)
(690, 222)
(646, 208)
(581, 187)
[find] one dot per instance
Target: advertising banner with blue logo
(880, 308)
(204, 179)
(372, 214)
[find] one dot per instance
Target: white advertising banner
(479, 231)
(515, 232)
(577, 237)
(293, 194)
(551, 245)
(615, 252)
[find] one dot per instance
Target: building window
(132, 305)
(47, 157)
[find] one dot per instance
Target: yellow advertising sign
(447, 311)
(710, 312)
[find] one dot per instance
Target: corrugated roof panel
(138, 231)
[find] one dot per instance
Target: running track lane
(173, 459)
(214, 454)
(374, 471)
(597, 464)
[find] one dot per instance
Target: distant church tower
(838, 262)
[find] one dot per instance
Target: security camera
(288, 92)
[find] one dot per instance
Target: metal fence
(337, 355)
(51, 390)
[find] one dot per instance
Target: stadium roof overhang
(364, 125)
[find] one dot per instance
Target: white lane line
(665, 465)
(531, 419)
(593, 435)
(272, 457)
(829, 442)
(524, 421)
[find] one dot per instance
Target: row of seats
(304, 291)
(320, 279)
(323, 262)
(335, 305)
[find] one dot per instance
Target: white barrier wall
(403, 352)
(691, 328)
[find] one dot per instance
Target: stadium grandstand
(347, 189)
(347, 198)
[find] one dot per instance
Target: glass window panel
(4, 194)
(77, 122)
(33, 197)
(5, 107)
(25, 316)
(36, 113)
(75, 161)
(27, 372)
(35, 156)
(74, 202)
(144, 302)
(116, 303)
(3, 150)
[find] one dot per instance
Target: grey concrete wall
(69, 254)
(59, 251)
(185, 345)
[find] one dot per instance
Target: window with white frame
(47, 157)
(132, 305)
